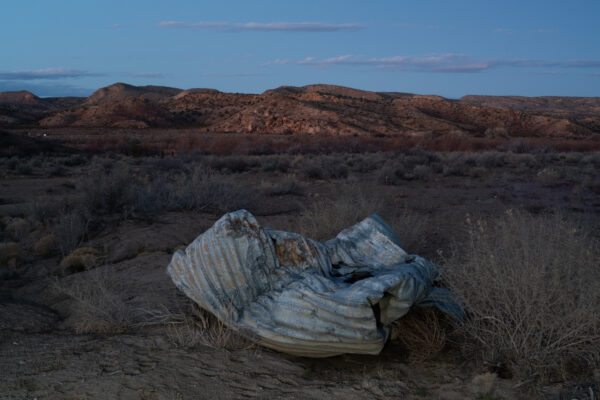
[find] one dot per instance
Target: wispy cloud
(415, 26)
(506, 31)
(197, 25)
(271, 26)
(147, 75)
(276, 62)
(298, 27)
(550, 73)
(45, 74)
(232, 75)
(458, 63)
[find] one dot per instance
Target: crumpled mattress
(303, 297)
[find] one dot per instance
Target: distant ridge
(19, 97)
(318, 109)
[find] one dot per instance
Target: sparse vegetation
(530, 287)
(98, 304)
(423, 332)
(318, 190)
(197, 327)
(79, 260)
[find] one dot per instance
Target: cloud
(147, 75)
(198, 25)
(271, 26)
(456, 63)
(298, 27)
(550, 73)
(506, 31)
(276, 62)
(415, 26)
(44, 74)
(232, 75)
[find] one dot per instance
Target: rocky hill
(308, 110)
(584, 111)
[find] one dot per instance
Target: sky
(443, 47)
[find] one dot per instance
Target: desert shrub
(477, 172)
(43, 210)
(550, 175)
(197, 327)
(232, 164)
(56, 170)
(312, 171)
(324, 219)
(324, 168)
(46, 246)
(199, 190)
(516, 146)
(74, 160)
(24, 168)
(98, 304)
(572, 157)
(416, 155)
(17, 229)
(79, 260)
(12, 163)
(421, 172)
(70, 230)
(423, 332)
(290, 186)
(394, 172)
(108, 192)
(413, 229)
(167, 164)
(209, 191)
(408, 165)
(275, 164)
(456, 168)
(364, 163)
(521, 160)
(492, 159)
(10, 254)
(592, 158)
(530, 288)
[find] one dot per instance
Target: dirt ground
(46, 353)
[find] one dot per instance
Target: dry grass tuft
(98, 304)
(46, 246)
(423, 332)
(80, 260)
(530, 287)
(198, 327)
(17, 229)
(10, 254)
(326, 218)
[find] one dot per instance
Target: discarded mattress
(303, 297)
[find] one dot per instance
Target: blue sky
(450, 48)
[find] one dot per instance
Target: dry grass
(10, 254)
(198, 327)
(423, 332)
(530, 286)
(98, 303)
(70, 230)
(324, 219)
